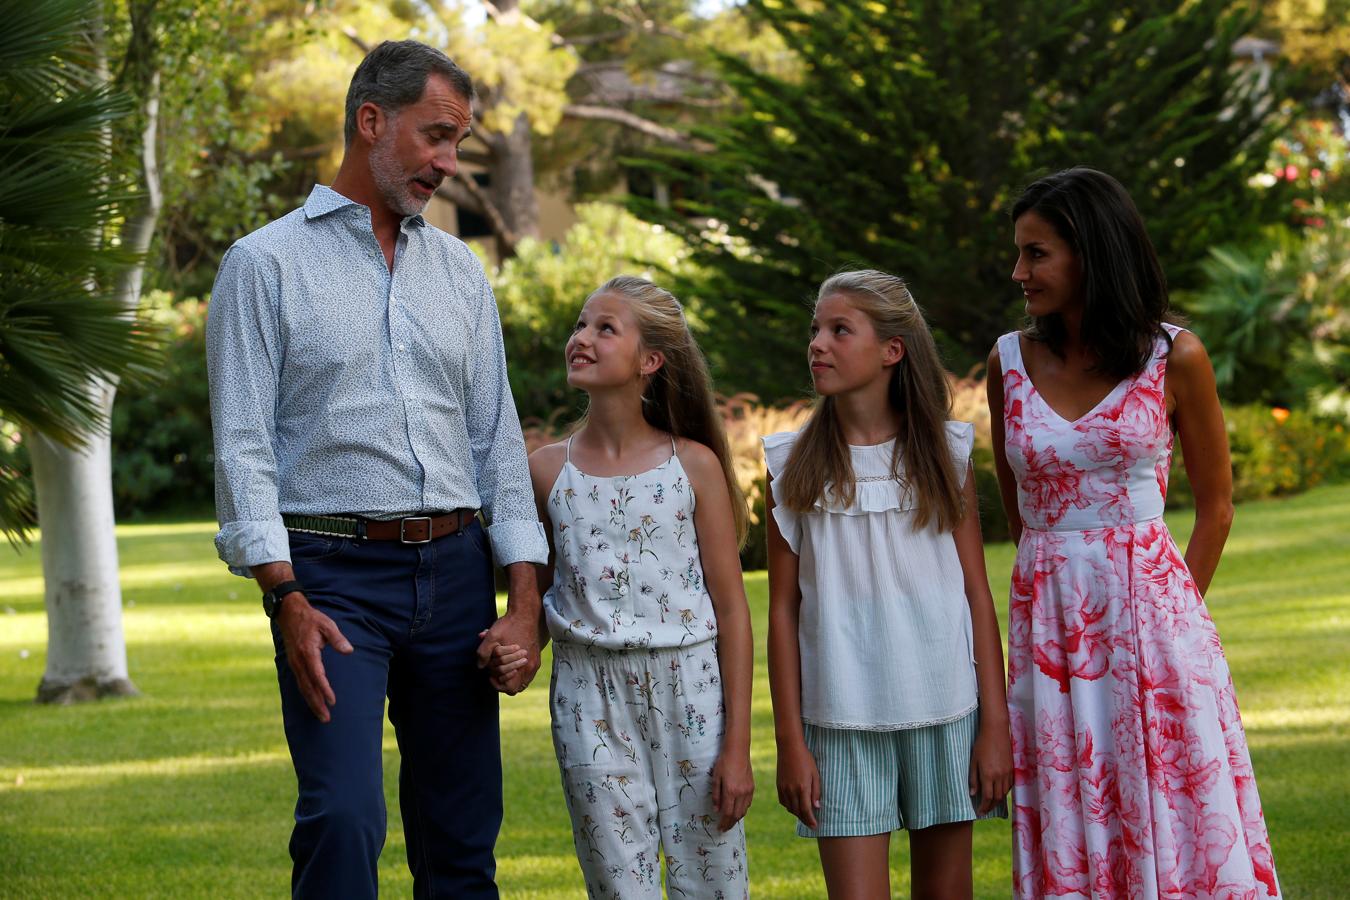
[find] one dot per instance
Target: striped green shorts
(874, 782)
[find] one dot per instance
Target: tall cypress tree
(913, 126)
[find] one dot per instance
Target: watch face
(269, 604)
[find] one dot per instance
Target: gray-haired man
(362, 418)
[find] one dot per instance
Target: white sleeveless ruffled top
(884, 632)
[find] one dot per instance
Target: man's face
(419, 146)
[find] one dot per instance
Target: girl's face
(605, 349)
(845, 353)
(1048, 270)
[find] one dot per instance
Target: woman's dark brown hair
(1124, 289)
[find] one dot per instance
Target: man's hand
(516, 634)
(304, 632)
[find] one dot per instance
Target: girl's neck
(615, 425)
(866, 416)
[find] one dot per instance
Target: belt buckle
(403, 529)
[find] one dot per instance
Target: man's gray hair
(394, 75)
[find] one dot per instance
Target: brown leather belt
(410, 530)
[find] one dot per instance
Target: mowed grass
(187, 790)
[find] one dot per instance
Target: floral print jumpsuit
(636, 697)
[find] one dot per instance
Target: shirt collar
(324, 200)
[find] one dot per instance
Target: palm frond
(62, 195)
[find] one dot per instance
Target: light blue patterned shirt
(340, 387)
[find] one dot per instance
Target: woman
(1132, 772)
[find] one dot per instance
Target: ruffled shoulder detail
(961, 443)
(777, 449)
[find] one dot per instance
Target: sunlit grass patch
(186, 791)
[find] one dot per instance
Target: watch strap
(272, 596)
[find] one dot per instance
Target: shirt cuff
(244, 544)
(518, 541)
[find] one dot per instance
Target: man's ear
(892, 351)
(652, 360)
(371, 121)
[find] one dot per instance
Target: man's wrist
(522, 590)
(274, 596)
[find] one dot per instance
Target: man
(362, 418)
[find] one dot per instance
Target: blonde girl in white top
(885, 659)
(644, 602)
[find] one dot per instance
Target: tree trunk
(86, 648)
(512, 182)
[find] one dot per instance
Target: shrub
(162, 456)
(1276, 452)
(1275, 315)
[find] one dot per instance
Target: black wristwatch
(272, 599)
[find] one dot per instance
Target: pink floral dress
(1132, 772)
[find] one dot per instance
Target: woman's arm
(991, 769)
(1007, 485)
(1194, 400)
(733, 778)
(798, 777)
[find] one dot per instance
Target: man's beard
(390, 180)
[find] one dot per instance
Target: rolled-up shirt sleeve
(243, 363)
(497, 445)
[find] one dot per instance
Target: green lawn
(187, 790)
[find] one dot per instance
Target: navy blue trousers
(412, 613)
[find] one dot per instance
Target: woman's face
(1048, 270)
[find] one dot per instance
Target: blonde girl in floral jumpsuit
(652, 656)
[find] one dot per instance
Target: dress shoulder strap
(1010, 352)
(569, 448)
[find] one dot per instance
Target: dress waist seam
(1097, 528)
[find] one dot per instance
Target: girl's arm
(1204, 447)
(733, 779)
(545, 464)
(798, 777)
(1007, 485)
(991, 767)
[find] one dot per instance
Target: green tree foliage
(61, 325)
(1315, 36)
(913, 126)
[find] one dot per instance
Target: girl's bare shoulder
(546, 462)
(698, 459)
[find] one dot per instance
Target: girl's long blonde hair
(820, 460)
(678, 397)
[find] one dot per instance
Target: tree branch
(637, 123)
(462, 188)
(355, 38)
(637, 95)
